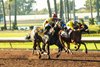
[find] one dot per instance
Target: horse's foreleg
(48, 50)
(40, 50)
(59, 52)
(39, 46)
(43, 47)
(78, 47)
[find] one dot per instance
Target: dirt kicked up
(24, 58)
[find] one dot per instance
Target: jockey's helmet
(54, 15)
(76, 22)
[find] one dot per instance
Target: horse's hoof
(67, 52)
(45, 53)
(57, 56)
(71, 53)
(86, 52)
(49, 57)
(39, 56)
(76, 50)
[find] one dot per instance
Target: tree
(0, 6)
(97, 8)
(93, 3)
(61, 9)
(55, 6)
(66, 5)
(70, 7)
(74, 9)
(15, 20)
(4, 15)
(24, 7)
(49, 8)
(91, 9)
(0, 11)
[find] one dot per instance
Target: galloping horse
(36, 38)
(75, 37)
(54, 39)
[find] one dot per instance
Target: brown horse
(54, 39)
(75, 38)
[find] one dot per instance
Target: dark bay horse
(75, 38)
(54, 39)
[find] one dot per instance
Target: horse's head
(85, 30)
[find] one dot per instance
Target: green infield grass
(17, 33)
(29, 45)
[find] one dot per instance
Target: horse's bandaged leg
(46, 37)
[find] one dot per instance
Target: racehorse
(36, 38)
(75, 37)
(54, 39)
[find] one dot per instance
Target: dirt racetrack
(24, 58)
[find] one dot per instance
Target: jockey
(47, 21)
(47, 28)
(51, 20)
(63, 25)
(73, 25)
(70, 27)
(76, 25)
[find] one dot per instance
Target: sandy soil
(24, 58)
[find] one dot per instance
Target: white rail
(22, 39)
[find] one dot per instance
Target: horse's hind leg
(34, 46)
(86, 51)
(60, 48)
